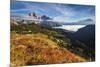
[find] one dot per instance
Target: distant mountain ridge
(48, 21)
(87, 21)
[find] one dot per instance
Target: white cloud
(59, 12)
(64, 12)
(71, 27)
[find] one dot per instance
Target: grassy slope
(32, 49)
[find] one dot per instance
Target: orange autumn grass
(36, 49)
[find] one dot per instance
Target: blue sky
(59, 12)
